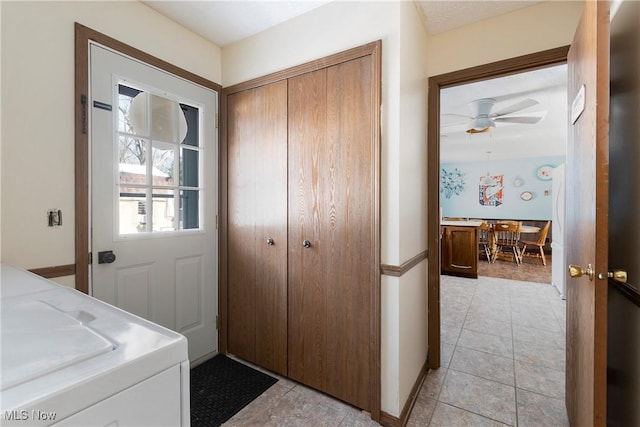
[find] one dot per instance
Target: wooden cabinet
(302, 166)
(459, 251)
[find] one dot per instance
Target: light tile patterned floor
(502, 353)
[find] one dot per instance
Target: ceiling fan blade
(516, 119)
(445, 125)
(526, 103)
(456, 115)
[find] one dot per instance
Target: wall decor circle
(526, 195)
(518, 182)
(544, 172)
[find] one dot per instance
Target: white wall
(37, 136)
(412, 207)
(532, 29)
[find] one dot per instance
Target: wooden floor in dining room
(531, 269)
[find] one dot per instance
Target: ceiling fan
(482, 119)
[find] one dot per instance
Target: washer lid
(38, 339)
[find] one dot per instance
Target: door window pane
(163, 164)
(165, 194)
(132, 155)
(167, 120)
(189, 209)
(163, 210)
(189, 170)
(132, 213)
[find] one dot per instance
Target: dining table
(529, 229)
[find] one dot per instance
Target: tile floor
(502, 364)
(503, 355)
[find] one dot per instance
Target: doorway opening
(436, 84)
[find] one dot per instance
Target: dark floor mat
(221, 387)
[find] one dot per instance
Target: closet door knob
(270, 241)
(306, 244)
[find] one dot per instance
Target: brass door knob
(576, 271)
(617, 275)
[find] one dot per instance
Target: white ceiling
(224, 22)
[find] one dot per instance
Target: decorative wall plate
(526, 195)
(544, 172)
(518, 182)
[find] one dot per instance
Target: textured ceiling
(441, 16)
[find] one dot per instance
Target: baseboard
(389, 420)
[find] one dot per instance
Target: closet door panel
(308, 333)
(241, 229)
(331, 205)
(349, 231)
(257, 204)
(271, 211)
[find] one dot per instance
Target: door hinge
(217, 322)
(217, 120)
(90, 258)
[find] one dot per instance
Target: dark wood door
(257, 218)
(623, 349)
(587, 216)
(331, 205)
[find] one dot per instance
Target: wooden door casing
(587, 218)
(331, 172)
(257, 211)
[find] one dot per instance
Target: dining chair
(484, 239)
(507, 236)
(540, 242)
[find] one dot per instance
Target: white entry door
(154, 196)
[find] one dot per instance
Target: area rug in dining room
(221, 387)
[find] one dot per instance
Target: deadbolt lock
(617, 275)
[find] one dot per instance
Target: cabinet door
(257, 212)
(331, 204)
(460, 251)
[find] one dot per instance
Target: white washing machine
(68, 359)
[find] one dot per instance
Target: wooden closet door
(331, 204)
(257, 212)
